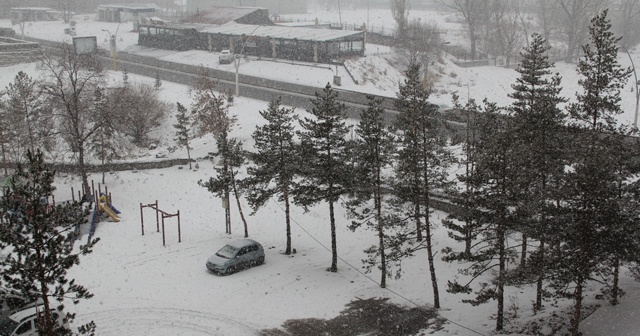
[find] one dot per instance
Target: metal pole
(163, 239)
(179, 234)
(635, 118)
(157, 219)
(141, 219)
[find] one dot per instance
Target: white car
(225, 57)
(23, 322)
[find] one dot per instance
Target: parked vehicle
(225, 57)
(24, 322)
(236, 255)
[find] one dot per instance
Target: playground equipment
(103, 205)
(165, 214)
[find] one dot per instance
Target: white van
(23, 323)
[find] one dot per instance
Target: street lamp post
(635, 118)
(236, 61)
(112, 45)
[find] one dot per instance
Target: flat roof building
(291, 43)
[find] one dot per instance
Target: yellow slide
(103, 206)
(110, 213)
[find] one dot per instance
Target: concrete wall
(274, 6)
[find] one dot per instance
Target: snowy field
(143, 288)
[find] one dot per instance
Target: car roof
(21, 315)
(242, 243)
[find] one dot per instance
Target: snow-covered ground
(143, 288)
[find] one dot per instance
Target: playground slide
(110, 213)
(114, 209)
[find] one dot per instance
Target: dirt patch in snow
(375, 316)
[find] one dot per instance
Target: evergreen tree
(212, 117)
(158, 82)
(125, 77)
(103, 142)
(591, 196)
(461, 225)
(539, 123)
(226, 181)
(41, 237)
(183, 129)
(373, 155)
(423, 159)
(495, 194)
(325, 172)
(30, 114)
(7, 135)
(276, 165)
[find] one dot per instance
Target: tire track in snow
(165, 321)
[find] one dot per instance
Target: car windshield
(227, 252)
(7, 326)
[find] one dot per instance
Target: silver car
(236, 255)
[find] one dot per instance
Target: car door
(241, 256)
(25, 329)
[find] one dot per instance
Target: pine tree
(158, 82)
(125, 77)
(103, 142)
(591, 195)
(41, 237)
(423, 159)
(212, 117)
(539, 123)
(325, 172)
(183, 129)
(373, 155)
(275, 164)
(30, 113)
(495, 179)
(461, 225)
(226, 181)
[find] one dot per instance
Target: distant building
(126, 13)
(223, 15)
(291, 43)
(26, 14)
(274, 6)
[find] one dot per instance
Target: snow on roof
(220, 15)
(135, 7)
(307, 34)
(34, 9)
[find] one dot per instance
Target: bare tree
(140, 110)
(627, 19)
(422, 45)
(474, 13)
(576, 19)
(67, 8)
(400, 11)
(505, 29)
(70, 81)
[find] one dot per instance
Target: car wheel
(260, 261)
(230, 270)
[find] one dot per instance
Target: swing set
(164, 214)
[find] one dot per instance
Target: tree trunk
(541, 270)
(334, 245)
(383, 257)
(577, 309)
(417, 216)
(523, 253)
(287, 214)
(501, 272)
(189, 155)
(83, 170)
(235, 194)
(616, 278)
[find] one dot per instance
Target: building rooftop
(307, 34)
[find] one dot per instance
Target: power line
(372, 280)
